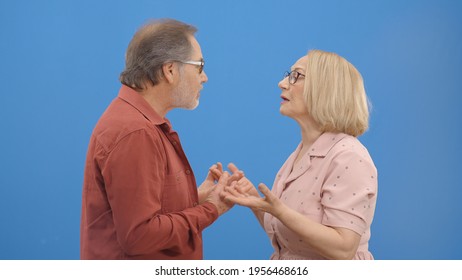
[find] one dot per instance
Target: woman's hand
(245, 194)
(214, 174)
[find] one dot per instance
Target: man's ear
(168, 70)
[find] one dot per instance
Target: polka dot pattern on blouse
(334, 184)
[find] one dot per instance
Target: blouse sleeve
(349, 192)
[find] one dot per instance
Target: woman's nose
(283, 84)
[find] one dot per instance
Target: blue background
(59, 68)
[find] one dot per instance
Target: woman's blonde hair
(335, 95)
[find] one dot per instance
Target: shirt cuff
(210, 212)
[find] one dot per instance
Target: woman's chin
(283, 111)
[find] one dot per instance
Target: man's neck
(159, 99)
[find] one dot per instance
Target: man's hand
(214, 174)
(207, 186)
(215, 195)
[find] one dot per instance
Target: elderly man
(140, 199)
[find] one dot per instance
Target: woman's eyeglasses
(293, 76)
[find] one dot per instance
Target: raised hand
(215, 195)
(236, 174)
(207, 186)
(214, 174)
(249, 197)
(244, 186)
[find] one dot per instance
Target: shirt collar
(324, 143)
(133, 98)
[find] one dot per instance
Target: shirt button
(174, 143)
(188, 172)
(195, 204)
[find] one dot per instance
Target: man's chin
(192, 106)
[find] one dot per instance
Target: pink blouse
(335, 184)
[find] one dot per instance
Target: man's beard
(182, 97)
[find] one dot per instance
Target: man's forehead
(195, 45)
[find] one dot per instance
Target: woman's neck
(310, 133)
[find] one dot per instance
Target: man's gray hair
(154, 44)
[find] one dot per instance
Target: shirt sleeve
(134, 175)
(349, 192)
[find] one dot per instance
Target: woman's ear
(168, 70)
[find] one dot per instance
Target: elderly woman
(323, 198)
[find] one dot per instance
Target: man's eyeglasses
(199, 63)
(293, 76)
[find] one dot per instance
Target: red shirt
(140, 198)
